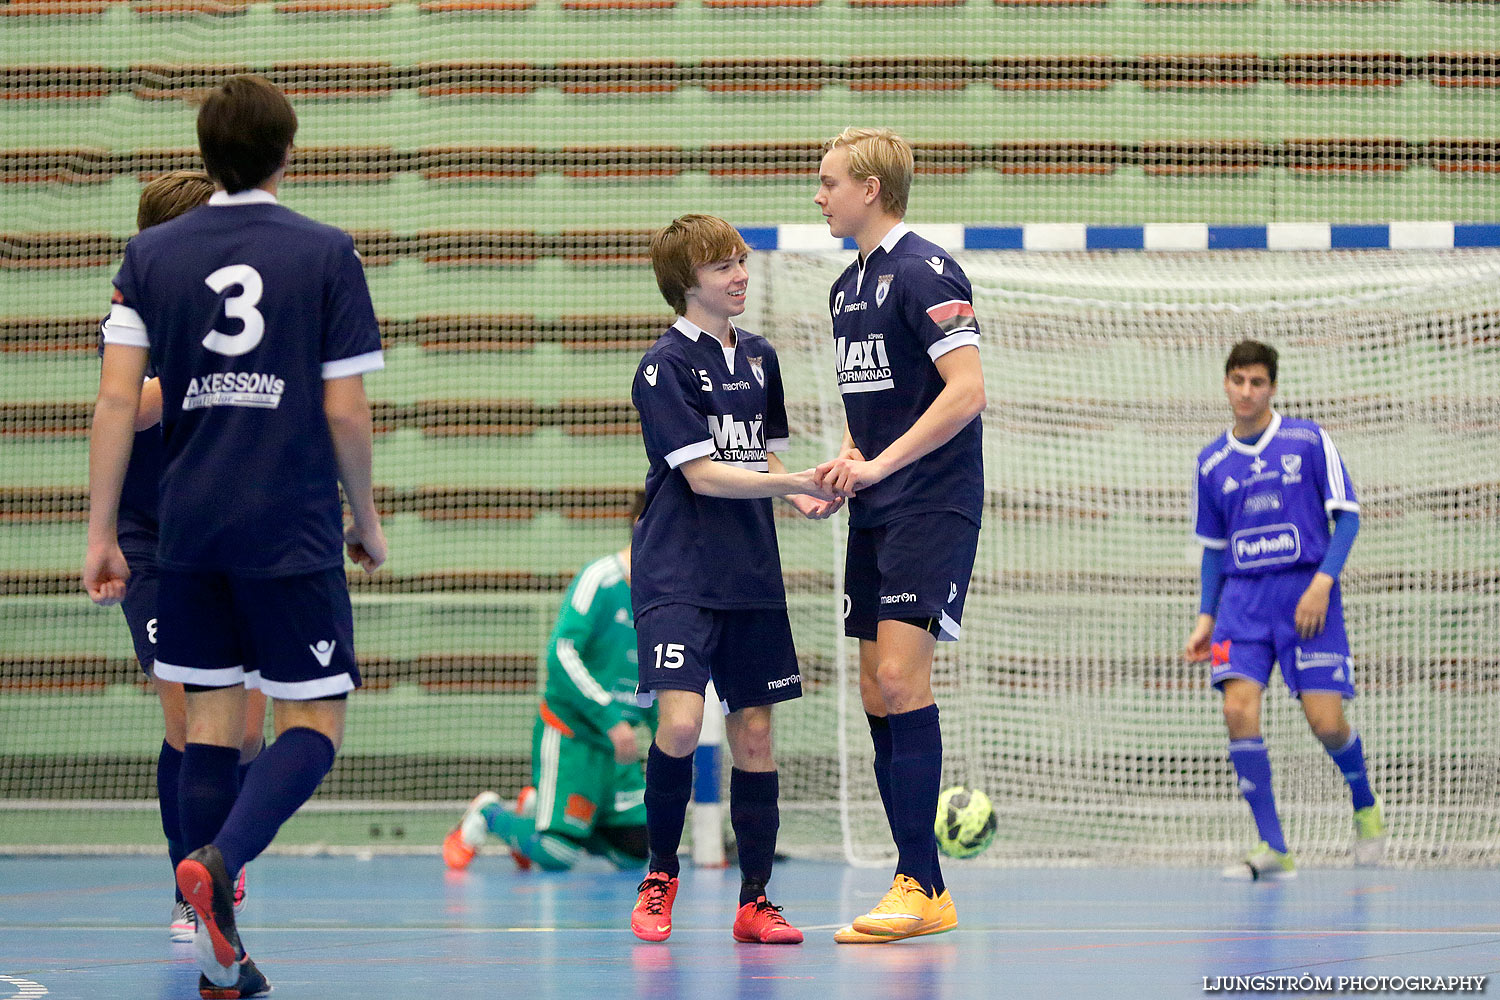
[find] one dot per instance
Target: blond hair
(168, 196)
(679, 248)
(883, 155)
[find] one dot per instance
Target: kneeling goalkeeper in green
(588, 784)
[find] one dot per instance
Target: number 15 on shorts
(668, 655)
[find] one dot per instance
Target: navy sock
(168, 771)
(1253, 766)
(755, 816)
(880, 735)
(284, 776)
(206, 790)
(916, 774)
(1351, 761)
(244, 768)
(669, 785)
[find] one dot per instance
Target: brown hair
(245, 128)
(1252, 352)
(883, 155)
(169, 195)
(686, 244)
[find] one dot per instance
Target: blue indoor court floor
(328, 928)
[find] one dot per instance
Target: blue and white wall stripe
(1165, 236)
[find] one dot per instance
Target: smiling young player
(709, 599)
(1265, 490)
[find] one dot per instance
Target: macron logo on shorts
(323, 651)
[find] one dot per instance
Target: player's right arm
(1210, 532)
(1211, 572)
(110, 441)
(352, 429)
(676, 428)
(716, 479)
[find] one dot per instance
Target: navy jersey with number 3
(695, 401)
(893, 317)
(247, 307)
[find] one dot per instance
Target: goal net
(1067, 699)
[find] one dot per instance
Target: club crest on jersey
(1291, 467)
(838, 303)
(650, 372)
(758, 370)
(882, 288)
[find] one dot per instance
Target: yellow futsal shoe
(947, 915)
(904, 911)
(947, 920)
(1370, 834)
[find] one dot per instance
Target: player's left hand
(1312, 609)
(814, 509)
(105, 573)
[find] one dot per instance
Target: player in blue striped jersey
(1265, 492)
(906, 351)
(261, 327)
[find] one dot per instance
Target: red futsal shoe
(651, 920)
(761, 923)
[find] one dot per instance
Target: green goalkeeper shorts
(579, 786)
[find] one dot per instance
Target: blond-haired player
(907, 356)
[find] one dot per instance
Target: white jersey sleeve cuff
(1212, 543)
(357, 365)
(779, 444)
(125, 326)
(955, 340)
(690, 452)
(1332, 505)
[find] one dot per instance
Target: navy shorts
(748, 654)
(915, 567)
(1255, 629)
(291, 636)
(139, 605)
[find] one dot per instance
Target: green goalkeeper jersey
(591, 657)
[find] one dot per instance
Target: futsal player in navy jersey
(707, 591)
(907, 356)
(261, 328)
(1265, 491)
(164, 198)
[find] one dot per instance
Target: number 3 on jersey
(668, 655)
(240, 307)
